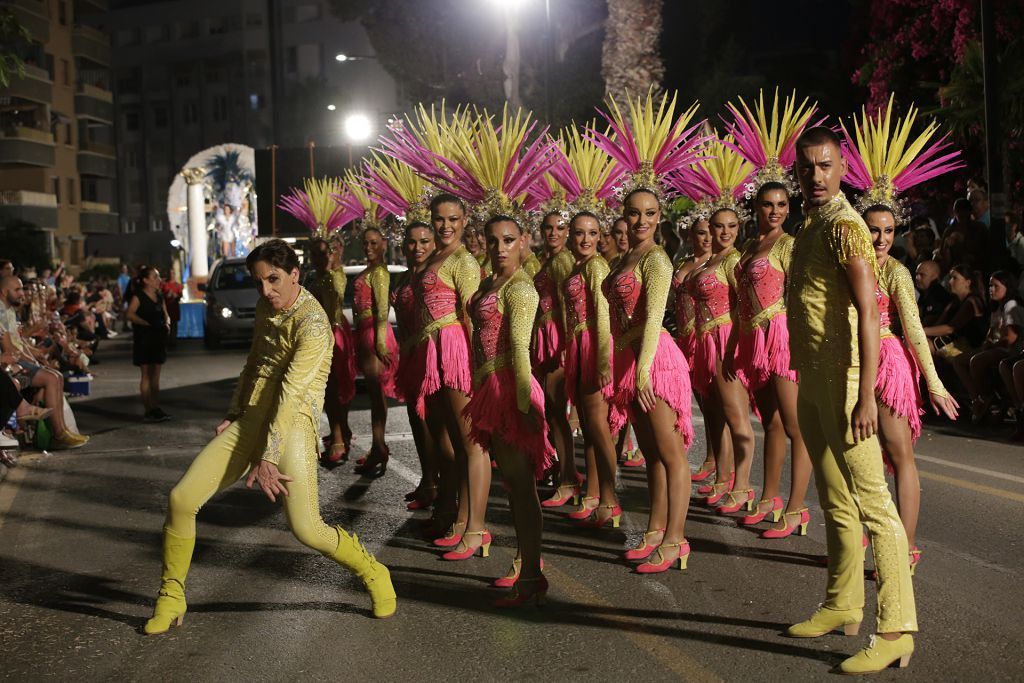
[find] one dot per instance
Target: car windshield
(233, 276)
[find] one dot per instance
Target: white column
(197, 247)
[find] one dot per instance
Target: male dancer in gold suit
(269, 433)
(834, 332)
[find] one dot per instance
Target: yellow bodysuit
(329, 290)
(850, 477)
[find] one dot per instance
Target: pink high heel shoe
(787, 530)
(775, 511)
(731, 503)
(558, 499)
(644, 550)
(469, 551)
(585, 510)
(663, 564)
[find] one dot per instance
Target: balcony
(88, 43)
(34, 86)
(37, 208)
(96, 219)
(95, 164)
(94, 103)
(20, 146)
(33, 15)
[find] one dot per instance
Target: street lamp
(331, 107)
(344, 57)
(358, 128)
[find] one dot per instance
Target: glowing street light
(331, 107)
(358, 128)
(342, 57)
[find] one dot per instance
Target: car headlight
(226, 312)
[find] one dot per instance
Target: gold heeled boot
(170, 602)
(375, 576)
(825, 621)
(879, 655)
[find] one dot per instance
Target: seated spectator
(965, 241)
(6, 267)
(980, 210)
(963, 325)
(1002, 341)
(1015, 242)
(933, 296)
(30, 370)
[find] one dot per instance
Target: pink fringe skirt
(688, 345)
(492, 411)
(343, 364)
(708, 350)
(581, 365)
(366, 342)
(670, 377)
(898, 385)
(764, 352)
(431, 367)
(546, 354)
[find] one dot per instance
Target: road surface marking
(981, 488)
(971, 468)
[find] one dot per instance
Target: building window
(131, 156)
(292, 59)
(255, 101)
(214, 75)
(220, 108)
(253, 20)
(307, 13)
(55, 187)
(71, 191)
(131, 120)
(217, 26)
(128, 36)
(128, 225)
(68, 135)
(160, 116)
(190, 113)
(189, 30)
(183, 79)
(65, 72)
(62, 12)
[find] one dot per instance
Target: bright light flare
(358, 127)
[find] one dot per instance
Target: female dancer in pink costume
(588, 373)
(376, 346)
(651, 383)
(548, 350)
(625, 444)
(686, 326)
(764, 359)
(417, 246)
(725, 398)
(882, 168)
(444, 288)
(507, 408)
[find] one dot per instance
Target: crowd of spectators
(970, 287)
(51, 329)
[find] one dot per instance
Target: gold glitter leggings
(853, 493)
(226, 459)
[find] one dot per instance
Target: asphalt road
(80, 563)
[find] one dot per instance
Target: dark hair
(972, 276)
(376, 230)
(501, 218)
(315, 242)
(962, 204)
(142, 274)
(445, 198)
(1007, 281)
(879, 208)
(74, 296)
(551, 213)
(409, 227)
(276, 253)
(818, 135)
(584, 214)
(768, 187)
(724, 208)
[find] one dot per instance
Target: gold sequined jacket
(285, 374)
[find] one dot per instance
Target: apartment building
(58, 163)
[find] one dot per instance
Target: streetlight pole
(993, 137)
(512, 60)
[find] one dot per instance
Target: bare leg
(378, 404)
(555, 400)
(1006, 374)
(517, 471)
(154, 384)
(425, 451)
(449, 508)
(774, 441)
(962, 365)
(144, 388)
(53, 391)
(475, 465)
(594, 419)
(657, 435)
(734, 401)
(800, 461)
(894, 434)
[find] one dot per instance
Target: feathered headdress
(587, 174)
(717, 181)
(401, 194)
(883, 165)
(315, 206)
(357, 203)
(769, 145)
(651, 144)
(490, 167)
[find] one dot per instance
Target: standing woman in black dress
(150, 323)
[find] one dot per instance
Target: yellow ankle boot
(376, 578)
(879, 655)
(825, 621)
(170, 602)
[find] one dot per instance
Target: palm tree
(631, 58)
